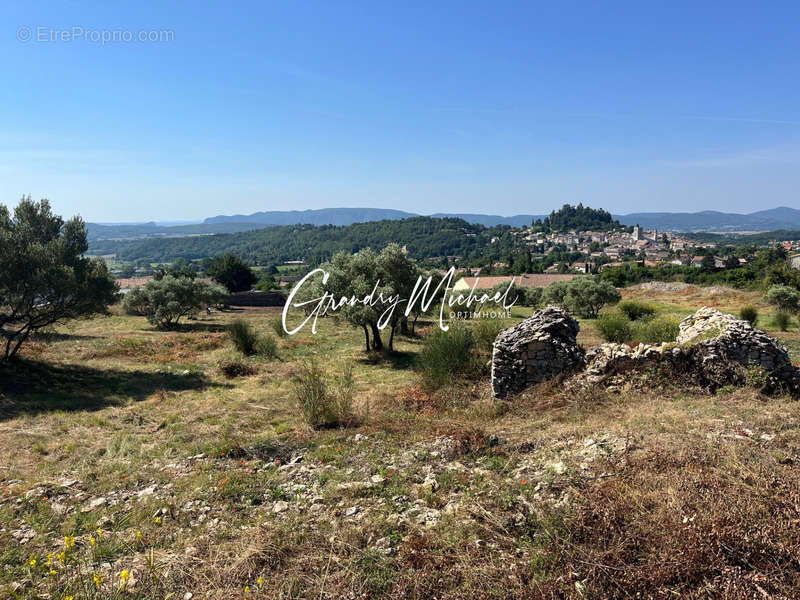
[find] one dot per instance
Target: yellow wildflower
(69, 541)
(124, 576)
(32, 561)
(91, 540)
(247, 589)
(139, 536)
(50, 559)
(98, 580)
(53, 573)
(99, 533)
(260, 582)
(62, 557)
(158, 520)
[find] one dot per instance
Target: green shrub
(167, 300)
(277, 326)
(484, 332)
(785, 297)
(267, 346)
(749, 313)
(135, 302)
(446, 353)
(634, 310)
(614, 326)
(243, 337)
(782, 320)
(662, 328)
(519, 295)
(325, 401)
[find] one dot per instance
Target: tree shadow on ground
(396, 359)
(193, 326)
(31, 387)
(49, 337)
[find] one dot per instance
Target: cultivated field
(133, 467)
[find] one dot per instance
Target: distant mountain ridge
(782, 217)
(322, 216)
(348, 216)
(764, 220)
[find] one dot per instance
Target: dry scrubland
(174, 479)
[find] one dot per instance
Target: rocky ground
(153, 476)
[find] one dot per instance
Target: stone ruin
(539, 348)
(712, 349)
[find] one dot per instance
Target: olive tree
(584, 296)
(355, 275)
(166, 301)
(519, 295)
(786, 298)
(44, 277)
(400, 275)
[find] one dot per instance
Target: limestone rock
(539, 348)
(712, 348)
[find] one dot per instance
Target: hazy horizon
(451, 107)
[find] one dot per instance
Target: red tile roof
(525, 280)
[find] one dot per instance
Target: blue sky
(495, 107)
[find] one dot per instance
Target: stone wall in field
(539, 348)
(712, 349)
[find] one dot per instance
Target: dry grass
(655, 491)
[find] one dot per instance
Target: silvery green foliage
(44, 277)
(166, 301)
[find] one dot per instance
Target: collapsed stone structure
(712, 349)
(538, 349)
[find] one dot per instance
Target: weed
(446, 353)
(324, 405)
(277, 326)
(749, 313)
(243, 337)
(782, 320)
(614, 326)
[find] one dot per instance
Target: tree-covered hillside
(578, 218)
(424, 237)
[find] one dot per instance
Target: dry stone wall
(712, 349)
(539, 348)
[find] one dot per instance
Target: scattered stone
(351, 511)
(60, 509)
(384, 545)
(23, 535)
(146, 492)
(280, 506)
(353, 486)
(94, 503)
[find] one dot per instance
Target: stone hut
(539, 348)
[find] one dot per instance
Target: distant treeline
(424, 238)
(578, 218)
